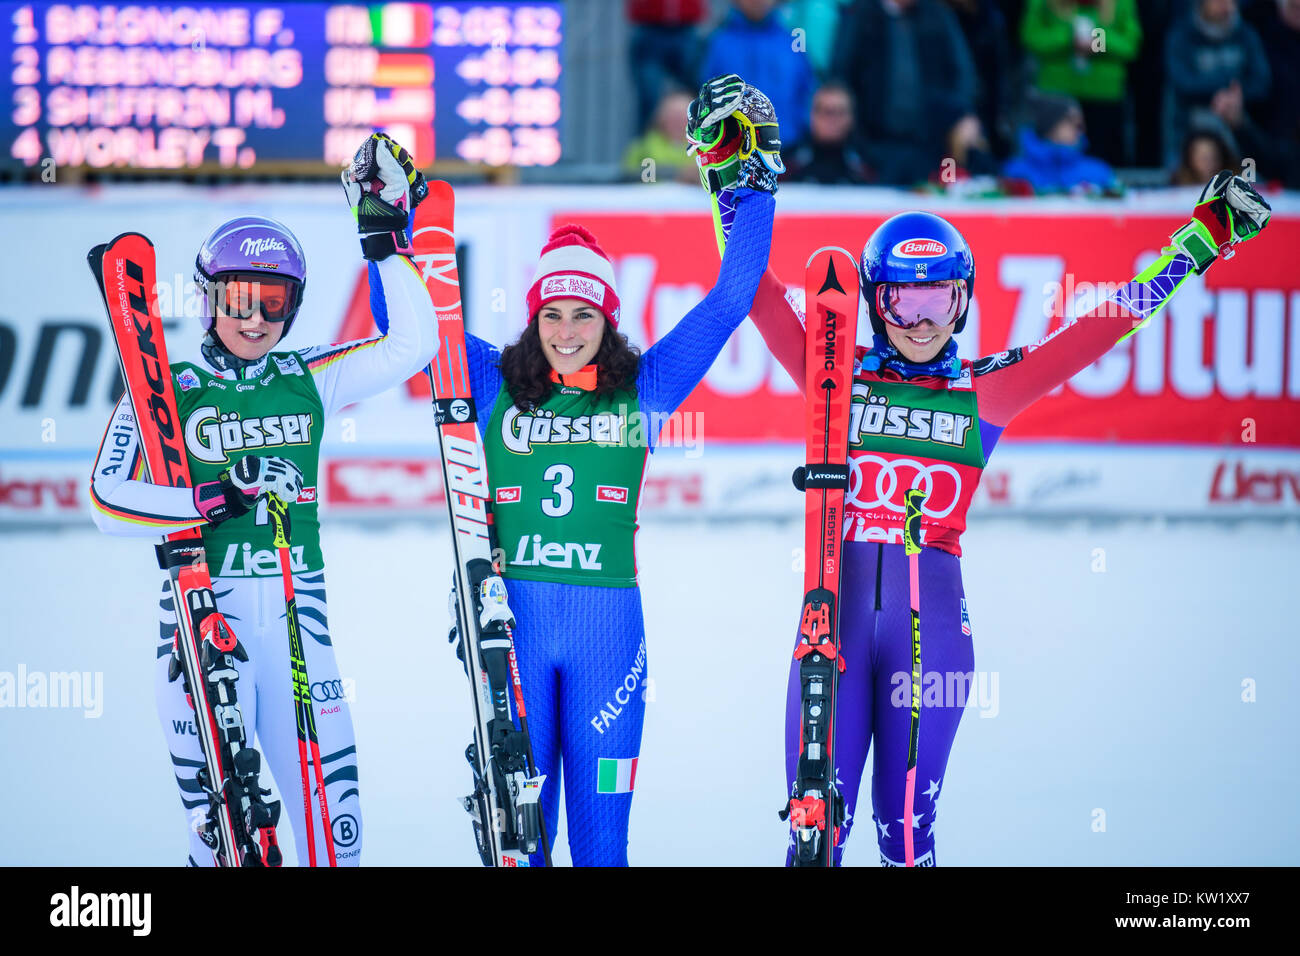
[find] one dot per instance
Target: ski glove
(383, 188)
(1229, 211)
(733, 134)
(238, 489)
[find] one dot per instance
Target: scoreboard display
(224, 86)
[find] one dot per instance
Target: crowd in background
(986, 96)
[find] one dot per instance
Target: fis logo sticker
(509, 495)
(187, 380)
(965, 619)
(288, 366)
(611, 493)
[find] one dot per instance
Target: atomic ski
(816, 807)
(505, 805)
(240, 824)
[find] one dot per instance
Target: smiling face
(571, 331)
(922, 343)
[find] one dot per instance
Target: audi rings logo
(889, 478)
(324, 690)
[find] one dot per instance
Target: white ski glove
(383, 188)
(1229, 211)
(256, 476)
(238, 489)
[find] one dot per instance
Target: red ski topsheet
(832, 297)
(434, 251)
(128, 277)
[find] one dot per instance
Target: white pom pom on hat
(574, 266)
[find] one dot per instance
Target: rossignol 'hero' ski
(240, 824)
(816, 807)
(506, 802)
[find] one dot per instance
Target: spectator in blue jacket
(754, 42)
(1215, 61)
(1052, 145)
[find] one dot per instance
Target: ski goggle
(241, 296)
(908, 304)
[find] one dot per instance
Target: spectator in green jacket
(658, 156)
(1082, 48)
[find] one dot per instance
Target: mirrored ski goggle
(908, 304)
(241, 296)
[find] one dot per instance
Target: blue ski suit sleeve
(674, 365)
(484, 359)
(484, 377)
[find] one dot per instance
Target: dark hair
(837, 86)
(527, 373)
(1184, 175)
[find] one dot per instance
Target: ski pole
(278, 510)
(912, 547)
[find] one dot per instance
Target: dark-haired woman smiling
(564, 415)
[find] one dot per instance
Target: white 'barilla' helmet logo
(919, 249)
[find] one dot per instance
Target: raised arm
(781, 324)
(350, 371)
(729, 104)
(383, 188)
(675, 364)
(1229, 212)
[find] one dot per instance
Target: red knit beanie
(573, 266)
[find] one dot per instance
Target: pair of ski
(816, 810)
(239, 826)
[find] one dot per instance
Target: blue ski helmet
(915, 247)
(251, 246)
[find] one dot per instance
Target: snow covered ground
(1144, 714)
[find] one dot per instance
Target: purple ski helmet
(251, 246)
